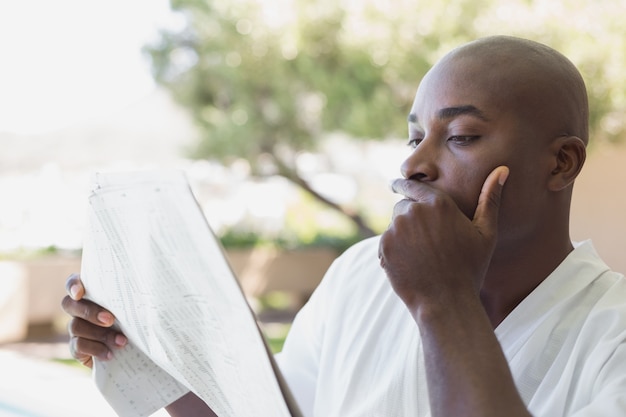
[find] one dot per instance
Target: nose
(421, 164)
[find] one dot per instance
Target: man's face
(462, 125)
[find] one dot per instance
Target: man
(474, 302)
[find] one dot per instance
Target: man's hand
(431, 251)
(89, 328)
(436, 260)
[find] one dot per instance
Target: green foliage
(267, 79)
(242, 239)
(263, 77)
(337, 240)
(276, 337)
(256, 90)
(77, 365)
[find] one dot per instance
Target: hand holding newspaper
(150, 258)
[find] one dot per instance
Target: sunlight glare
(72, 60)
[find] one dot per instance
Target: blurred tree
(264, 82)
(267, 79)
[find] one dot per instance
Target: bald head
(533, 80)
(503, 101)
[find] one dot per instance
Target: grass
(275, 334)
(71, 362)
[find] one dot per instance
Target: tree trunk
(364, 230)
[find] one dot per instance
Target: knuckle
(86, 311)
(82, 309)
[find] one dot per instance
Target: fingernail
(74, 291)
(105, 317)
(120, 340)
(503, 177)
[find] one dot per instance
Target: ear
(570, 153)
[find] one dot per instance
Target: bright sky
(65, 61)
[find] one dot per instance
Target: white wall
(599, 206)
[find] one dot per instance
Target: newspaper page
(150, 257)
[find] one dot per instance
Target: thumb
(74, 287)
(486, 215)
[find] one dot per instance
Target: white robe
(355, 351)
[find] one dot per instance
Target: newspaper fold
(150, 257)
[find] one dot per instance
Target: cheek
(520, 206)
(465, 189)
(513, 217)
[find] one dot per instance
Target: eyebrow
(452, 112)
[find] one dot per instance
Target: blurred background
(288, 117)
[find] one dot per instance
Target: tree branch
(292, 175)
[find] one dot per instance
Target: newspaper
(150, 257)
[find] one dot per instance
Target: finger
(401, 207)
(88, 310)
(85, 330)
(486, 215)
(83, 350)
(413, 190)
(86, 360)
(74, 287)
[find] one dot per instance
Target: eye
(413, 143)
(463, 140)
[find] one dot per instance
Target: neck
(516, 271)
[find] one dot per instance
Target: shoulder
(355, 271)
(360, 260)
(363, 252)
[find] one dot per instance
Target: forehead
(462, 86)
